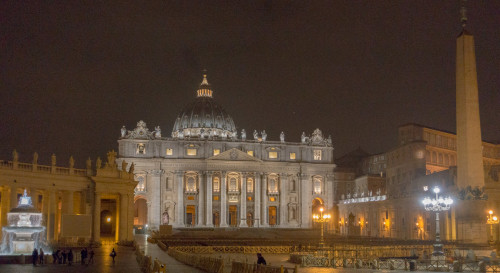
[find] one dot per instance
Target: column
(264, 212)
(130, 229)
(13, 197)
(180, 200)
(306, 193)
(51, 216)
(257, 200)
(154, 193)
(243, 201)
(123, 213)
(5, 206)
(283, 197)
(67, 204)
(97, 217)
(329, 191)
(34, 198)
(223, 201)
(201, 198)
(209, 216)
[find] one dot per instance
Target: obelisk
(469, 211)
(469, 143)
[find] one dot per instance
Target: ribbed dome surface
(204, 117)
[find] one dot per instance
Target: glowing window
(317, 186)
(216, 151)
(250, 153)
(249, 198)
(216, 198)
(249, 185)
(292, 155)
(191, 152)
(216, 184)
(272, 199)
(317, 154)
(273, 155)
(170, 151)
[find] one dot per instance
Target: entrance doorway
(140, 212)
(107, 223)
(272, 216)
(233, 215)
(317, 203)
(190, 215)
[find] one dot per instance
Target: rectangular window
(216, 198)
(317, 154)
(292, 155)
(170, 151)
(272, 199)
(273, 155)
(191, 151)
(141, 149)
(249, 198)
(216, 151)
(250, 153)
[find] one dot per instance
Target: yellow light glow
(108, 219)
(490, 212)
(321, 209)
(495, 218)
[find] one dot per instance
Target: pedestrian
(82, 256)
(260, 259)
(91, 259)
(59, 256)
(113, 255)
(64, 255)
(34, 255)
(54, 257)
(41, 254)
(70, 257)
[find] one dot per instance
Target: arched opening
(140, 215)
(190, 215)
(273, 216)
(317, 204)
(233, 216)
(107, 222)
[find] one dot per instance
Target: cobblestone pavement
(125, 262)
(173, 266)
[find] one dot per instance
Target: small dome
(204, 118)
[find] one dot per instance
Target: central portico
(205, 175)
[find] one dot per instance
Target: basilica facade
(206, 175)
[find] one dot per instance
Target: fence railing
(211, 265)
(239, 267)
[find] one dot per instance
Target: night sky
(72, 73)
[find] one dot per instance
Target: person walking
(34, 255)
(113, 255)
(91, 259)
(82, 256)
(41, 254)
(260, 259)
(64, 255)
(70, 257)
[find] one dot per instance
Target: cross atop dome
(204, 89)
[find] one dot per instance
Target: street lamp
(321, 218)
(492, 220)
(437, 204)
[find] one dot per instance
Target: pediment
(234, 155)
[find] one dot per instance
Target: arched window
(216, 184)
(249, 185)
(233, 185)
(434, 157)
(191, 184)
(440, 159)
(317, 185)
(273, 186)
(427, 156)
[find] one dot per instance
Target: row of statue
(361, 195)
(142, 132)
(111, 157)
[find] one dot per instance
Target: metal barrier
(239, 267)
(211, 265)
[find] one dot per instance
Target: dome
(204, 118)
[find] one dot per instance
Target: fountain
(24, 231)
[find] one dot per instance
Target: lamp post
(437, 204)
(491, 220)
(321, 218)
